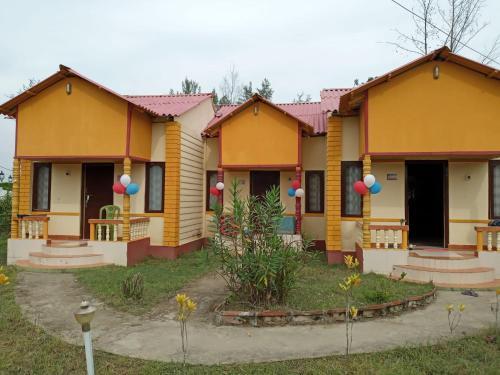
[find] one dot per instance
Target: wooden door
(97, 182)
(262, 181)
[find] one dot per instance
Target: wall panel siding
(191, 188)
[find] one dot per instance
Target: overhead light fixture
(68, 88)
(435, 72)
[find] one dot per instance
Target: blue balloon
(291, 192)
(376, 188)
(132, 189)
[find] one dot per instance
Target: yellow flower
(191, 306)
(4, 279)
(354, 312)
(181, 299)
(461, 307)
(350, 262)
(450, 308)
(498, 291)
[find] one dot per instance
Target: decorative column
(298, 203)
(333, 194)
(25, 187)
(127, 169)
(14, 224)
(367, 240)
(171, 211)
(220, 178)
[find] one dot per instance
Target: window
(315, 191)
(351, 205)
(211, 181)
(41, 187)
(155, 175)
(494, 189)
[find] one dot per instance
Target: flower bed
(336, 315)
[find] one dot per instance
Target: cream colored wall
(211, 154)
(158, 142)
(350, 138)
(349, 234)
(197, 118)
(390, 202)
(65, 196)
(468, 199)
(314, 153)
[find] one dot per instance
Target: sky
(149, 46)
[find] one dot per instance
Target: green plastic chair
(109, 212)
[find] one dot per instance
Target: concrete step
(71, 250)
(30, 265)
(449, 276)
(47, 259)
(66, 243)
(448, 263)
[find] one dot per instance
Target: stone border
(281, 318)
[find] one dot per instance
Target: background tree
(246, 93)
(190, 86)
(452, 23)
(26, 86)
(302, 98)
(265, 89)
(230, 88)
(215, 98)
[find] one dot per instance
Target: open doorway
(427, 202)
(262, 181)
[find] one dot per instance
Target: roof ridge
(168, 95)
(292, 103)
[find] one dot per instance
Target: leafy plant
(454, 317)
(5, 213)
(185, 306)
(376, 296)
(259, 265)
(133, 286)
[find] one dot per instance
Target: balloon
(299, 193)
(369, 180)
(132, 188)
(219, 186)
(360, 188)
(214, 191)
(295, 184)
(125, 180)
(376, 188)
(291, 192)
(118, 188)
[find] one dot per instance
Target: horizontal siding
(191, 195)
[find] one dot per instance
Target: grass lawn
(3, 249)
(162, 278)
(27, 349)
(318, 288)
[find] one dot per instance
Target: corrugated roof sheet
(168, 105)
(310, 113)
(330, 99)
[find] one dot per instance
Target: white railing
(33, 227)
(107, 229)
(390, 236)
(139, 228)
(490, 233)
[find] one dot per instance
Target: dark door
(97, 182)
(427, 202)
(262, 181)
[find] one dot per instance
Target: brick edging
(293, 317)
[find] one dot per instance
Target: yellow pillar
(14, 224)
(333, 196)
(479, 240)
(25, 187)
(127, 169)
(367, 169)
(172, 184)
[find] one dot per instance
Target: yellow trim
(55, 213)
(172, 184)
(367, 169)
(469, 221)
(127, 169)
(360, 218)
(25, 187)
(333, 199)
(314, 214)
(384, 220)
(14, 228)
(147, 214)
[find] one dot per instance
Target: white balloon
(299, 193)
(219, 186)
(125, 180)
(369, 180)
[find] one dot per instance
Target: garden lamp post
(84, 316)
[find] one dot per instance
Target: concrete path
(49, 299)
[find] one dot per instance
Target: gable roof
(151, 104)
(330, 99)
(168, 105)
(349, 101)
(305, 113)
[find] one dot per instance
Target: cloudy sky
(148, 47)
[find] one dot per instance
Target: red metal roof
(310, 113)
(168, 105)
(330, 99)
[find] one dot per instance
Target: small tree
(246, 92)
(265, 89)
(302, 98)
(190, 86)
(347, 286)
(230, 88)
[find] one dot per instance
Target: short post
(84, 316)
(479, 240)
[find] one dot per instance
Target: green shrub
(133, 286)
(5, 214)
(376, 296)
(258, 264)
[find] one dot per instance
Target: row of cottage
(428, 131)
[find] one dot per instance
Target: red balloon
(295, 184)
(214, 191)
(118, 188)
(360, 188)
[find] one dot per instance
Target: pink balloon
(118, 188)
(360, 188)
(295, 184)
